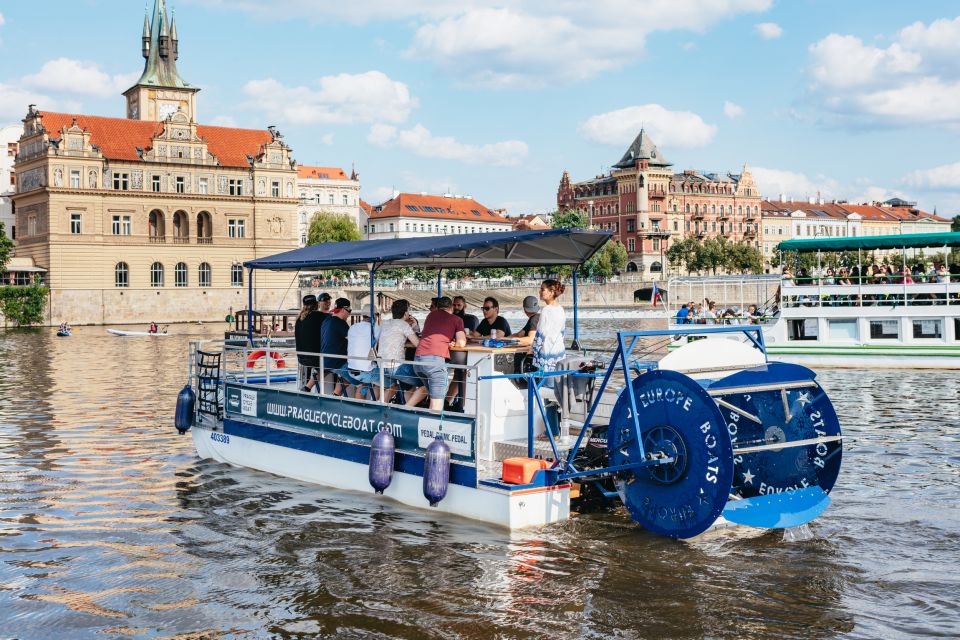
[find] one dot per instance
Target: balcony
(751, 230)
(158, 239)
(181, 240)
(204, 240)
(697, 215)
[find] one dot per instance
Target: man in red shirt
(441, 331)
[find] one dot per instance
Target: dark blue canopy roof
(531, 248)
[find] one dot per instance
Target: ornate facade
(150, 217)
(328, 189)
(647, 205)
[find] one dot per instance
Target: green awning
(902, 241)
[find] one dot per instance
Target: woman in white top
(548, 350)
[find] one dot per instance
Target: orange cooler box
(522, 470)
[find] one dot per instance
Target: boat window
(845, 329)
(956, 329)
(928, 328)
(802, 329)
(884, 329)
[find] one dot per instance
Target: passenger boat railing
(272, 365)
(817, 294)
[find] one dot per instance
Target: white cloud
(769, 30)
(2, 20)
(732, 109)
(915, 79)
(946, 176)
(357, 12)
(344, 98)
(326, 139)
(224, 121)
(80, 77)
(15, 100)
(793, 184)
(667, 128)
(419, 140)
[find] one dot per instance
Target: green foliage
(331, 227)
(569, 219)
(715, 253)
(6, 248)
(24, 305)
(955, 225)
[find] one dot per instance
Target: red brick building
(647, 206)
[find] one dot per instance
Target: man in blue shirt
(333, 339)
(683, 314)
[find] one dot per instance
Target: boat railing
(270, 364)
(817, 294)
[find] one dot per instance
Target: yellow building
(150, 217)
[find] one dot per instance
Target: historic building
(410, 215)
(9, 137)
(327, 189)
(151, 217)
(647, 205)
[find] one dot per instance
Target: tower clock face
(165, 110)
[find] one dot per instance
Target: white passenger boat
(900, 323)
(128, 334)
(716, 435)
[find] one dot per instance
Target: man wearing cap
(306, 332)
(358, 350)
(324, 300)
(333, 338)
(531, 307)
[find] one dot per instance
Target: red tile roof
(869, 212)
(118, 138)
(438, 207)
(366, 206)
(321, 173)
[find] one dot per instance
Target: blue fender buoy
(381, 461)
(186, 401)
(436, 472)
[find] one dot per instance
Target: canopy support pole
(373, 309)
(250, 306)
(576, 318)
(439, 283)
(859, 277)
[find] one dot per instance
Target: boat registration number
(220, 437)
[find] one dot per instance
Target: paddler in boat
(153, 328)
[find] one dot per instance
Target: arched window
(686, 208)
(756, 210)
(204, 228)
(156, 275)
(155, 227)
(181, 227)
(180, 274)
(656, 267)
(739, 209)
(121, 275)
(236, 275)
(204, 275)
(696, 208)
(713, 209)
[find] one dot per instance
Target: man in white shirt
(358, 350)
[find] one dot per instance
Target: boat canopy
(902, 241)
(528, 248)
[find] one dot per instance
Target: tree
(955, 225)
(743, 257)
(6, 248)
(712, 254)
(332, 227)
(569, 219)
(684, 252)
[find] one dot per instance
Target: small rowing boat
(130, 334)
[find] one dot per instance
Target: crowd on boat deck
(873, 274)
(357, 358)
(708, 313)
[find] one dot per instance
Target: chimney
(811, 200)
(423, 193)
(782, 199)
(395, 194)
(819, 198)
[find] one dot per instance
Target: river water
(110, 527)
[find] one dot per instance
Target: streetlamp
(590, 224)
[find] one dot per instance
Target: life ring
(278, 361)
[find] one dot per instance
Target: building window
(237, 228)
(180, 184)
(391, 226)
(180, 275)
(346, 200)
(121, 181)
(75, 223)
(656, 244)
(203, 186)
(630, 226)
(236, 276)
(676, 226)
(75, 179)
(235, 187)
(303, 237)
(155, 184)
(156, 275)
(686, 208)
(631, 245)
(121, 225)
(331, 198)
(275, 189)
(121, 275)
(204, 275)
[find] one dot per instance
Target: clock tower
(160, 92)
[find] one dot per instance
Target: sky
(852, 99)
